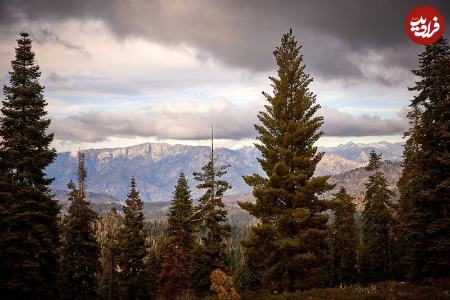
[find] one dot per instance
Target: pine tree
(181, 213)
(289, 248)
(344, 239)
(154, 262)
(134, 281)
(29, 237)
(80, 249)
(210, 216)
(174, 279)
(407, 185)
(376, 225)
(425, 182)
(174, 276)
(108, 233)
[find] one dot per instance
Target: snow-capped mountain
(156, 166)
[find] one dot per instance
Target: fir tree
(108, 233)
(210, 216)
(425, 182)
(174, 279)
(376, 225)
(134, 281)
(344, 239)
(288, 248)
(80, 249)
(29, 237)
(181, 213)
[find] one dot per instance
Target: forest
(295, 243)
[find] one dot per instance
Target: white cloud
(191, 120)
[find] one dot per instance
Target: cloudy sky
(123, 72)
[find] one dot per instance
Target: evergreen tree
(174, 276)
(174, 279)
(108, 232)
(80, 249)
(181, 213)
(376, 225)
(288, 248)
(134, 281)
(425, 183)
(344, 239)
(210, 216)
(29, 237)
(154, 262)
(407, 186)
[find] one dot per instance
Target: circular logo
(424, 25)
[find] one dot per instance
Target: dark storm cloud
(244, 33)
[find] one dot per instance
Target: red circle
(424, 25)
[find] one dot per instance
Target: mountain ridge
(157, 165)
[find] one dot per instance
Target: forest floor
(391, 290)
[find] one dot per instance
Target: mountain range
(156, 167)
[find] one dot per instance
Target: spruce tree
(108, 233)
(288, 248)
(134, 281)
(29, 237)
(174, 279)
(425, 183)
(80, 249)
(344, 239)
(376, 225)
(210, 216)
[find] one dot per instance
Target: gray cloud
(192, 121)
(244, 33)
(337, 123)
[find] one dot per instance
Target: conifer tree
(210, 216)
(407, 186)
(181, 213)
(425, 183)
(108, 233)
(174, 276)
(288, 248)
(134, 281)
(154, 262)
(376, 225)
(29, 237)
(344, 239)
(174, 279)
(80, 249)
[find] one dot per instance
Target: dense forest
(302, 235)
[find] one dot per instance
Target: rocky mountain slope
(157, 166)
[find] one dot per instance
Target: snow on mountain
(156, 166)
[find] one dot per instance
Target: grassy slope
(430, 290)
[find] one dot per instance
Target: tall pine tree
(134, 281)
(174, 279)
(289, 248)
(29, 237)
(344, 239)
(425, 183)
(80, 249)
(376, 225)
(210, 216)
